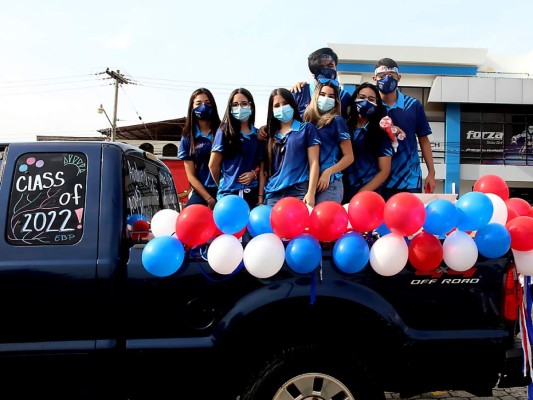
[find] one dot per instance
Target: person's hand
(211, 202)
(263, 133)
(323, 182)
(297, 87)
(246, 178)
(309, 199)
(429, 184)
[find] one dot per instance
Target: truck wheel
(306, 373)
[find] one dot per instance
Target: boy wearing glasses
(407, 113)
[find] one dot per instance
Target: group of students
(319, 143)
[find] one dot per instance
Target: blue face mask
(203, 111)
(327, 73)
(387, 84)
(365, 108)
(240, 113)
(325, 103)
(284, 113)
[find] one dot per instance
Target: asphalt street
(518, 393)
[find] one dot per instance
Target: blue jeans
(298, 190)
(334, 192)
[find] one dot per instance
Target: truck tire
(309, 373)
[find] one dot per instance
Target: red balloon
(521, 206)
(328, 221)
(404, 214)
(425, 252)
(289, 217)
(511, 213)
(521, 230)
(140, 230)
(195, 225)
(492, 184)
(365, 211)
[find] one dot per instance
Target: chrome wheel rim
(313, 386)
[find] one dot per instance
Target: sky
(54, 54)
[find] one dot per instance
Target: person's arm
(262, 180)
(427, 154)
(384, 164)
(313, 154)
(345, 161)
(215, 161)
(190, 170)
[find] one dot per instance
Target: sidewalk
(518, 393)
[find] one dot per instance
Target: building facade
(480, 109)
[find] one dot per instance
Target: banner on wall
(496, 144)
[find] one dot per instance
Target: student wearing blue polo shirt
(293, 150)
(407, 113)
(195, 146)
(236, 152)
(335, 145)
(371, 145)
(323, 65)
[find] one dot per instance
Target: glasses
(371, 99)
(243, 104)
(327, 80)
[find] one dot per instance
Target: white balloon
(499, 215)
(164, 222)
(264, 255)
(389, 254)
(523, 261)
(460, 251)
(225, 254)
(350, 227)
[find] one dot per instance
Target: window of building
(170, 150)
(499, 134)
(147, 147)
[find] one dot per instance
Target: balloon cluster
(484, 222)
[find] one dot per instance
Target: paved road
(497, 394)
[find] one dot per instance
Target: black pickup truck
(82, 317)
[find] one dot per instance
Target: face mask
(240, 113)
(327, 73)
(284, 113)
(387, 84)
(325, 103)
(203, 111)
(365, 108)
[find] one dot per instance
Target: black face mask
(327, 73)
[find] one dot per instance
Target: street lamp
(101, 110)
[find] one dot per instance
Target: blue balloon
(134, 218)
(259, 220)
(383, 229)
(493, 240)
(163, 255)
(231, 214)
(474, 210)
(351, 252)
(441, 217)
(303, 254)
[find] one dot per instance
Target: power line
(119, 80)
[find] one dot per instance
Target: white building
(480, 109)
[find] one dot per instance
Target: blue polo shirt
(247, 160)
(290, 164)
(407, 113)
(331, 136)
(202, 147)
(365, 165)
(303, 98)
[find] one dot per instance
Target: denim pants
(298, 190)
(335, 192)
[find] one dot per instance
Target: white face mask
(325, 103)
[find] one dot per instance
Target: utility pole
(119, 78)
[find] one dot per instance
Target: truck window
(47, 199)
(148, 188)
(3, 152)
